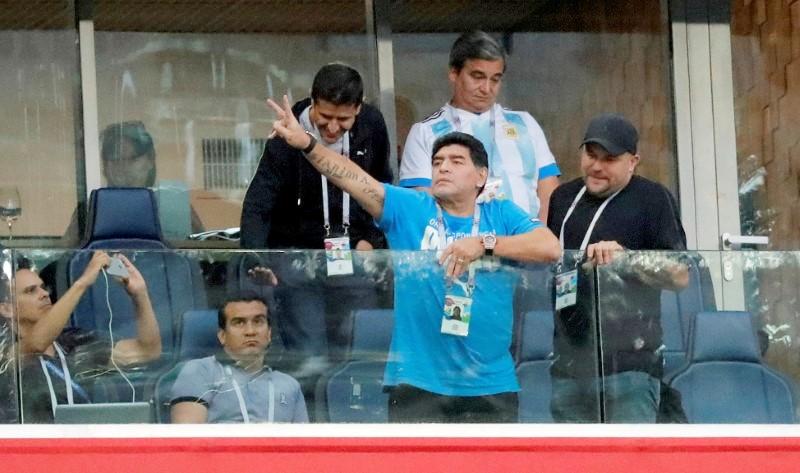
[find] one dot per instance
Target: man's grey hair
(476, 45)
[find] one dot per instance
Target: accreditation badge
(566, 284)
(456, 316)
(338, 256)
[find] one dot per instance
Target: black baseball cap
(613, 132)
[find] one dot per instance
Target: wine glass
(10, 206)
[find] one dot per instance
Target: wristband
(311, 143)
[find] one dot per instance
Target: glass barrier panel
(42, 177)
(770, 282)
(567, 62)
(575, 393)
(672, 353)
(9, 407)
(306, 336)
(182, 90)
(764, 71)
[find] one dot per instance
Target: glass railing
(643, 339)
(699, 337)
(9, 395)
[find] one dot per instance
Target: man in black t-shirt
(608, 210)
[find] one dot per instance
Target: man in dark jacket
(289, 205)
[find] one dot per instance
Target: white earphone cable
(111, 336)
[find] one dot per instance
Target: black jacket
(283, 205)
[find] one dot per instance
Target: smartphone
(117, 268)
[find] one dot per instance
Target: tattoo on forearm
(333, 170)
(373, 194)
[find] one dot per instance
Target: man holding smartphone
(55, 357)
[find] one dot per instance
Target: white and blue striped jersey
(516, 145)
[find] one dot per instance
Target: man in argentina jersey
(520, 160)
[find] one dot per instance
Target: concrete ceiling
(332, 16)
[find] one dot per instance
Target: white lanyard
(596, 217)
(456, 120)
(476, 221)
(345, 196)
(243, 406)
(67, 378)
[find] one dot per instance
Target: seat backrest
(536, 391)
(127, 219)
(536, 340)
(198, 334)
(675, 346)
(123, 218)
(724, 336)
(162, 393)
(353, 393)
(678, 310)
(534, 357)
(354, 390)
(725, 381)
(372, 332)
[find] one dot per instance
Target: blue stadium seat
(725, 380)
(354, 391)
(162, 392)
(534, 291)
(126, 219)
(198, 334)
(535, 355)
(197, 339)
(123, 217)
(678, 310)
(372, 332)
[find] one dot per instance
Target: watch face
(489, 241)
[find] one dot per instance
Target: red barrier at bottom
(375, 455)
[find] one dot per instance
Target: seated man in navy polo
(235, 385)
(441, 369)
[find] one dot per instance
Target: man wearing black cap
(607, 210)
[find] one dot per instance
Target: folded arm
(536, 246)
